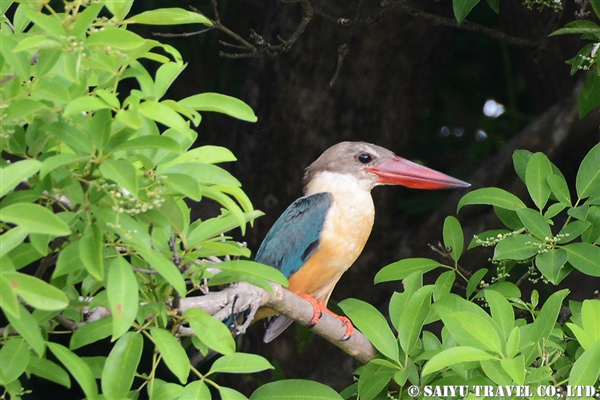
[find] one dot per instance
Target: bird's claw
(349, 328)
(317, 310)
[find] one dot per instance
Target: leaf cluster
(483, 340)
(92, 215)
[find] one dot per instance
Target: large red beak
(399, 171)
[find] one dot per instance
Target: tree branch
(242, 296)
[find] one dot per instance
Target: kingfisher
(320, 235)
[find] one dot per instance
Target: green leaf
(91, 245)
(455, 355)
(168, 16)
(60, 160)
(502, 312)
(35, 219)
(11, 239)
(77, 367)
(596, 6)
(577, 27)
(444, 284)
(70, 135)
(413, 317)
(538, 170)
(212, 332)
(165, 268)
(172, 353)
(492, 196)
(582, 336)
(572, 231)
(91, 332)
(472, 330)
(551, 262)
(586, 368)
(254, 269)
(509, 218)
(515, 367)
(494, 5)
(453, 237)
(183, 184)
(220, 103)
(68, 260)
(590, 317)
(213, 227)
(84, 104)
(403, 268)
(535, 223)
(589, 98)
(49, 23)
(373, 325)
(518, 247)
(230, 394)
(121, 365)
(19, 61)
(475, 280)
(162, 390)
(122, 172)
(373, 379)
(196, 390)
(554, 210)
(28, 327)
(13, 174)
(494, 371)
(203, 154)
(14, 357)
(163, 114)
(36, 292)
(48, 370)
(205, 173)
(592, 235)
(512, 344)
(8, 298)
(520, 160)
(462, 8)
(588, 176)
(123, 295)
(150, 142)
(240, 363)
(584, 257)
(288, 390)
(559, 188)
(115, 38)
(541, 328)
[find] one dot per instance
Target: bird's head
(372, 165)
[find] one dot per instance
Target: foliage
(483, 341)
(96, 182)
(93, 215)
(586, 59)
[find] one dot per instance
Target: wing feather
(295, 235)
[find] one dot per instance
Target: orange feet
(317, 310)
(319, 307)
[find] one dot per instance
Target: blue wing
(295, 235)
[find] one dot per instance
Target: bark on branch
(244, 296)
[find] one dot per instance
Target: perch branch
(249, 297)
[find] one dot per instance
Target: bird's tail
(275, 326)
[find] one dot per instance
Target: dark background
(412, 82)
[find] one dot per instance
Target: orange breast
(343, 238)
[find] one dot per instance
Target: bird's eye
(365, 158)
